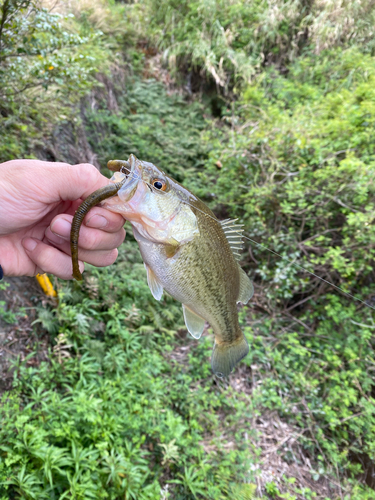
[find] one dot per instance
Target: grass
(114, 413)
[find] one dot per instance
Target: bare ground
(21, 297)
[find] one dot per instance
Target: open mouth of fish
(130, 171)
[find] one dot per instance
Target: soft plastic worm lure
(94, 199)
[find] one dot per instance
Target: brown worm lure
(91, 201)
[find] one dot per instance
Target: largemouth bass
(188, 252)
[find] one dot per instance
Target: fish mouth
(133, 172)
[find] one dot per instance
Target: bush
(127, 406)
(231, 41)
(300, 152)
(45, 68)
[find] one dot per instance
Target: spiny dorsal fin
(233, 233)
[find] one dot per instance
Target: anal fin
(153, 283)
(193, 322)
(246, 288)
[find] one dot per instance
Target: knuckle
(111, 257)
(122, 237)
(117, 239)
(86, 174)
(93, 240)
(115, 221)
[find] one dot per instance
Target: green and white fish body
(189, 253)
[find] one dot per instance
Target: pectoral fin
(170, 250)
(193, 322)
(155, 286)
(171, 247)
(246, 288)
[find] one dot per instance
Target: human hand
(37, 203)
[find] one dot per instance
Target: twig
(252, 255)
(28, 86)
(300, 302)
(8, 350)
(320, 234)
(4, 14)
(362, 324)
(345, 419)
(283, 441)
(298, 321)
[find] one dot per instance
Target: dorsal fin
(233, 233)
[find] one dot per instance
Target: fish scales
(203, 275)
(187, 251)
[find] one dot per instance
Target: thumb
(78, 181)
(48, 259)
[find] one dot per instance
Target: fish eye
(159, 184)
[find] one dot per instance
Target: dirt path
(18, 302)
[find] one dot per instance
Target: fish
(187, 252)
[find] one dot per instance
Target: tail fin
(225, 356)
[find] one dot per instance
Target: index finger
(103, 219)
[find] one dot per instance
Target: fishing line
(293, 263)
(268, 249)
(310, 272)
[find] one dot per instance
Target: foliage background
(266, 111)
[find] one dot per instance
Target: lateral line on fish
(273, 251)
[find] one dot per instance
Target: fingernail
(97, 221)
(61, 227)
(29, 244)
